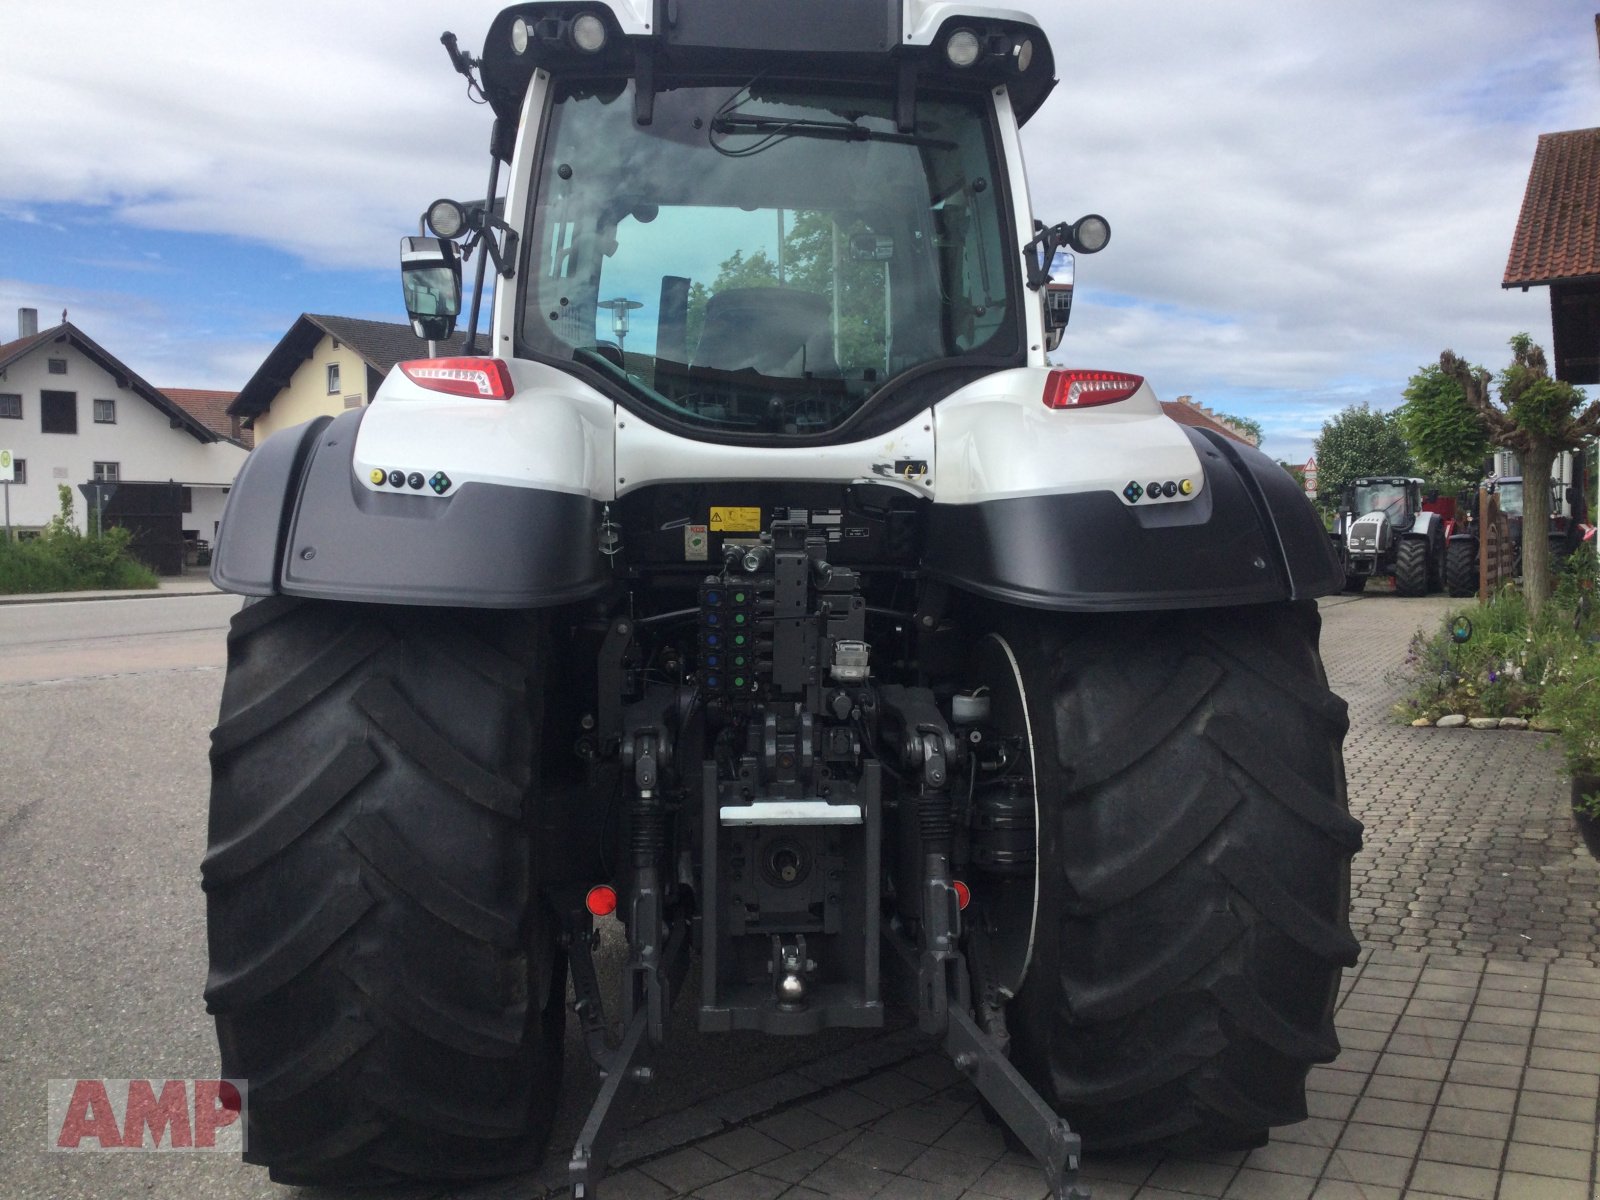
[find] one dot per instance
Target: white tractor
(759, 579)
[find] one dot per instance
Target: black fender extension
(1249, 537)
(298, 522)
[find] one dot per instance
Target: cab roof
(905, 43)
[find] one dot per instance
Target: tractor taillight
(1085, 389)
(479, 378)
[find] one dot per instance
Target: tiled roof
(383, 343)
(70, 334)
(211, 408)
(1556, 237)
(1185, 413)
(380, 344)
(11, 351)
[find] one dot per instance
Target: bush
(1572, 705)
(61, 559)
(1493, 660)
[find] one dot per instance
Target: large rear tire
(383, 973)
(1194, 844)
(1411, 567)
(1461, 567)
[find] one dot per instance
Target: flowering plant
(1572, 705)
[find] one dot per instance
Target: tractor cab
(1385, 528)
(741, 253)
(1375, 511)
(1397, 500)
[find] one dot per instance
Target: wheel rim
(1006, 900)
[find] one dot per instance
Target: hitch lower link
(658, 958)
(944, 983)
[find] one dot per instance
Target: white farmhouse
(71, 413)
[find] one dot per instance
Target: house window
(58, 366)
(333, 379)
(19, 470)
(11, 405)
(107, 472)
(352, 401)
(105, 412)
(58, 412)
(188, 500)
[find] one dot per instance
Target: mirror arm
(490, 222)
(1040, 251)
(502, 249)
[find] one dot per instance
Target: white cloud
(1309, 199)
(138, 332)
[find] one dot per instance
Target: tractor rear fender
(306, 518)
(450, 500)
(1248, 536)
(1426, 524)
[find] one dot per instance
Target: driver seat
(780, 332)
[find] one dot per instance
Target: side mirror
(1058, 298)
(430, 277)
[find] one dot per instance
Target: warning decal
(735, 520)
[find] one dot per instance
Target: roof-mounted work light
(588, 33)
(963, 48)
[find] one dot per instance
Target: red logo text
(147, 1114)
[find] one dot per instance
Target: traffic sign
(8, 469)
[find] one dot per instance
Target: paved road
(59, 641)
(1460, 1076)
(105, 711)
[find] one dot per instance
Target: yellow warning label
(735, 520)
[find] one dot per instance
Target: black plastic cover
(484, 546)
(1249, 537)
(847, 26)
(255, 522)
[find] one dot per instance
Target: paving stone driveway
(1471, 1026)
(1470, 847)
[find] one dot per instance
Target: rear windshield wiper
(844, 131)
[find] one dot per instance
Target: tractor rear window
(763, 260)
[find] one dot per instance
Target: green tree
(1538, 417)
(1357, 442)
(1249, 426)
(808, 265)
(1447, 437)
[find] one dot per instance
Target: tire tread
(1190, 937)
(375, 928)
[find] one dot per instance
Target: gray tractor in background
(1385, 528)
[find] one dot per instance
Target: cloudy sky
(1309, 199)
